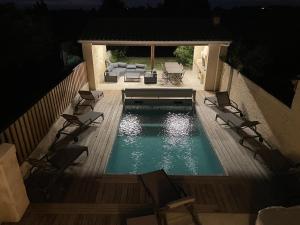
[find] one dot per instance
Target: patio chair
(46, 171)
(239, 124)
(81, 121)
(222, 100)
(166, 196)
(88, 98)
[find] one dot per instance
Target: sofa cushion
(114, 73)
(114, 65)
(122, 64)
(109, 68)
(131, 66)
(140, 66)
(140, 70)
(119, 71)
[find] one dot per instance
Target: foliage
(118, 54)
(184, 55)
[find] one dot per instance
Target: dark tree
(112, 8)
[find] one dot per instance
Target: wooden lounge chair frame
(229, 117)
(221, 100)
(55, 163)
(88, 98)
(182, 201)
(82, 121)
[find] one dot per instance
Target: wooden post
(152, 56)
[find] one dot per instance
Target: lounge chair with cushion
(221, 99)
(81, 121)
(89, 98)
(166, 196)
(239, 124)
(46, 171)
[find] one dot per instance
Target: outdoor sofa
(131, 72)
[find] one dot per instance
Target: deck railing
(30, 128)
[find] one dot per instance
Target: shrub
(118, 54)
(184, 55)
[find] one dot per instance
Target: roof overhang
(151, 43)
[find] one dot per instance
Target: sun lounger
(166, 195)
(46, 171)
(239, 124)
(81, 121)
(88, 98)
(222, 100)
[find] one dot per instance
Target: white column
(13, 197)
(212, 69)
(88, 58)
(99, 57)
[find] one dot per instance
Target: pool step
(107, 178)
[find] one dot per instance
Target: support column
(152, 56)
(211, 79)
(13, 197)
(88, 58)
(99, 58)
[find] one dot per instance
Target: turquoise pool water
(148, 140)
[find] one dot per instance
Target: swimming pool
(148, 140)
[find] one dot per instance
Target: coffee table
(132, 76)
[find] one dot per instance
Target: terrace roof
(154, 31)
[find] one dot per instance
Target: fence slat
(29, 129)
(25, 135)
(2, 138)
(16, 141)
(34, 126)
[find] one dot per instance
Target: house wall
(279, 124)
(197, 57)
(99, 57)
(198, 67)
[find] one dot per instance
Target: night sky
(136, 3)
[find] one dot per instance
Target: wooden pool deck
(90, 197)
(235, 159)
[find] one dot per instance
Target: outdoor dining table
(174, 71)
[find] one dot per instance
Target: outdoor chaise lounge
(239, 124)
(81, 121)
(221, 99)
(166, 196)
(89, 98)
(46, 171)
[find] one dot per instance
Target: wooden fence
(29, 129)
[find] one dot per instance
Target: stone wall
(280, 124)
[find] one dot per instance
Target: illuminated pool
(148, 140)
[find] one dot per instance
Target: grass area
(146, 60)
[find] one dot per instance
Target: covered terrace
(209, 41)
